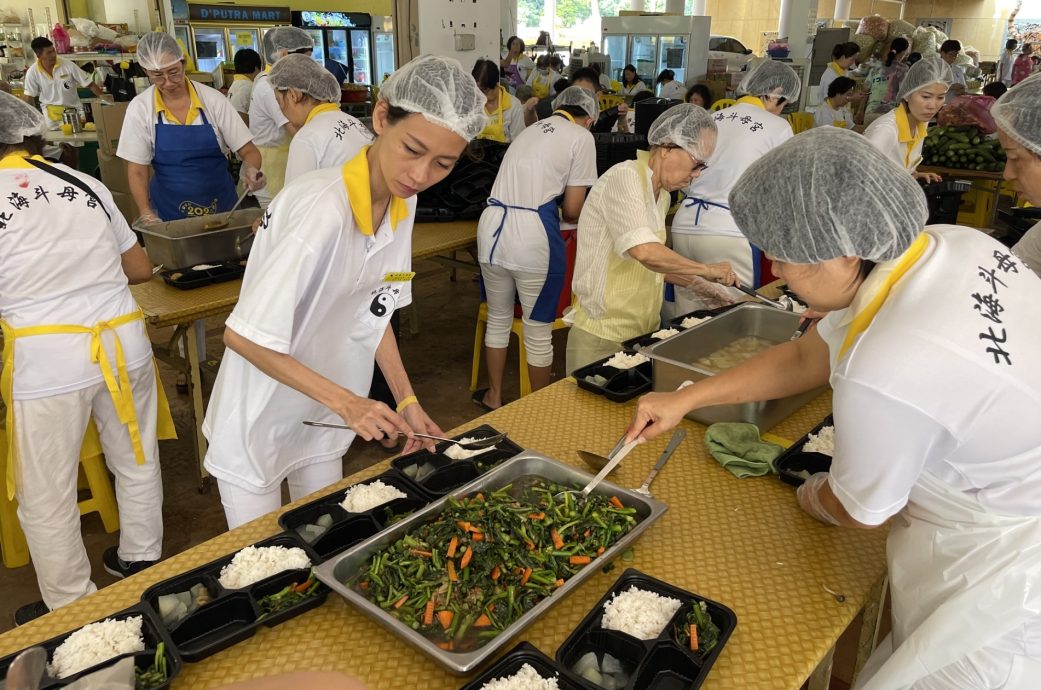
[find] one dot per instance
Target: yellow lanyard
(117, 381)
(866, 315)
(564, 113)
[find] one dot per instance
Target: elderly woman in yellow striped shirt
(622, 260)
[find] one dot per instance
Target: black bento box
(793, 462)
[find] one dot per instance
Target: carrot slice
(580, 560)
(693, 637)
(616, 503)
(428, 614)
(559, 583)
(477, 536)
(445, 619)
(400, 602)
(599, 551)
(526, 576)
(496, 572)
(451, 572)
(558, 541)
(447, 646)
(483, 621)
(452, 546)
(421, 553)
(465, 560)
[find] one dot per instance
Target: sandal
(478, 399)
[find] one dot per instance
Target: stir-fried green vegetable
(463, 577)
(698, 631)
(154, 675)
(290, 595)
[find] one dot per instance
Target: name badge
(402, 277)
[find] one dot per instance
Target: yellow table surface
(744, 543)
(164, 305)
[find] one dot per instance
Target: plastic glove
(253, 178)
(809, 498)
(147, 218)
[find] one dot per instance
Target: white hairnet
(302, 73)
(158, 50)
(267, 48)
(685, 125)
(439, 89)
(825, 194)
(18, 120)
(289, 39)
(577, 96)
(1018, 113)
(771, 78)
(925, 72)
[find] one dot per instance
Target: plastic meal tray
(451, 474)
(526, 653)
(622, 384)
(661, 662)
(794, 460)
(335, 573)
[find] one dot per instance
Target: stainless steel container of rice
(340, 572)
(675, 360)
(185, 243)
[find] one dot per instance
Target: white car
(735, 52)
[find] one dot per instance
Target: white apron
(962, 579)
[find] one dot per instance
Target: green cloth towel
(739, 449)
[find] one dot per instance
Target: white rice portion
(364, 497)
(527, 678)
(457, 452)
(822, 442)
(639, 613)
(95, 644)
(664, 333)
(253, 564)
(621, 360)
(692, 321)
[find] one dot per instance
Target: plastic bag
(91, 30)
(899, 27)
(923, 42)
(875, 26)
(78, 40)
(9, 16)
(970, 111)
(866, 43)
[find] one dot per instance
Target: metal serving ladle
(476, 444)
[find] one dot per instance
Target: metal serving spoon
(674, 442)
(615, 459)
(476, 444)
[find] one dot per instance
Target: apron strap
(701, 205)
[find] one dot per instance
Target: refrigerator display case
(652, 44)
(218, 32)
(384, 62)
(345, 37)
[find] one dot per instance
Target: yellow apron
(117, 381)
(273, 161)
(496, 129)
(55, 112)
(540, 86)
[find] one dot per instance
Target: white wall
(438, 21)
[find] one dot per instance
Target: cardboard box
(108, 118)
(717, 66)
(716, 87)
(125, 204)
(113, 172)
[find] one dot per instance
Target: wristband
(410, 400)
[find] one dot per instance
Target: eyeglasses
(173, 75)
(699, 166)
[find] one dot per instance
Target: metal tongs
(476, 444)
(784, 303)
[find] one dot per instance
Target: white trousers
(242, 505)
(985, 669)
(710, 249)
(48, 433)
(501, 285)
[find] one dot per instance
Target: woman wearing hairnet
(519, 243)
(1018, 115)
(271, 129)
(930, 346)
(183, 131)
(66, 257)
(703, 229)
(900, 133)
(622, 259)
(331, 263)
(309, 97)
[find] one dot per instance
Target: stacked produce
(965, 148)
(487, 559)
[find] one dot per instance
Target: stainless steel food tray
(673, 362)
(185, 243)
(335, 571)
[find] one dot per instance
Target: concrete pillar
(784, 19)
(698, 9)
(674, 6)
(508, 18)
(842, 8)
(637, 6)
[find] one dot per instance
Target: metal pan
(334, 572)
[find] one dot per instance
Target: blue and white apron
(191, 172)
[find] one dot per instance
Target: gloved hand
(530, 104)
(147, 217)
(809, 498)
(253, 178)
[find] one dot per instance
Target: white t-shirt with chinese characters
(547, 157)
(945, 380)
(240, 93)
(60, 264)
(330, 139)
(320, 290)
(828, 115)
(57, 88)
(137, 138)
(266, 119)
(1029, 248)
(744, 133)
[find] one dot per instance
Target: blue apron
(757, 254)
(191, 172)
(545, 310)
